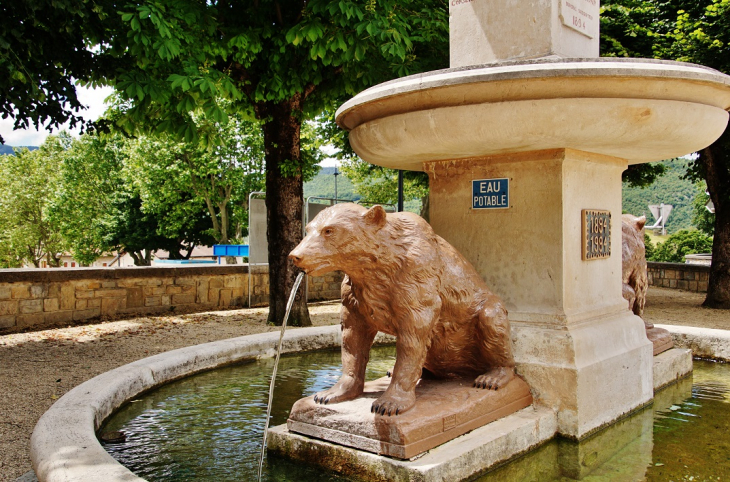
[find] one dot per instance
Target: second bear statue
(404, 280)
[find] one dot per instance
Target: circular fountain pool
(208, 427)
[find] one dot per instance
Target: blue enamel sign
(490, 194)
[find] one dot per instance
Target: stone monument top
(485, 31)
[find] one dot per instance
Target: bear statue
(633, 257)
(405, 280)
(636, 280)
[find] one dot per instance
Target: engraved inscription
(454, 3)
(596, 234)
(449, 422)
(581, 15)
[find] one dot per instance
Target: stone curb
(704, 342)
(64, 446)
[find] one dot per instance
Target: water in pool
(209, 427)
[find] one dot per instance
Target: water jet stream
(289, 304)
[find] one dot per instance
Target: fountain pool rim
(64, 445)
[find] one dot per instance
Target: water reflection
(208, 427)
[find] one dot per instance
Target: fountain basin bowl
(635, 109)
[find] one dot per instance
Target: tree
(375, 184)
(692, 32)
(99, 207)
(42, 51)
(650, 248)
(176, 179)
(282, 62)
(681, 243)
(28, 183)
(703, 219)
(89, 177)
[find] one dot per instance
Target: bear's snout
(296, 257)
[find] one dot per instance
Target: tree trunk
(284, 199)
(718, 288)
(426, 207)
(716, 170)
(141, 257)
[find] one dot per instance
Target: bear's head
(340, 238)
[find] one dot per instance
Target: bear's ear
(640, 222)
(375, 216)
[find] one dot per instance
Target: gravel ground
(674, 307)
(37, 368)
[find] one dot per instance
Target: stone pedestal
(444, 410)
(484, 31)
(580, 349)
(660, 338)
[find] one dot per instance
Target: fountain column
(524, 139)
(577, 345)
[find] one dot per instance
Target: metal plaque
(596, 234)
(490, 193)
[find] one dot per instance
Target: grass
(656, 238)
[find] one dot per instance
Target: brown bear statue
(633, 257)
(405, 280)
(635, 278)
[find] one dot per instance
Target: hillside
(323, 185)
(668, 189)
(5, 149)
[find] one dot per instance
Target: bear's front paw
(495, 378)
(341, 392)
(389, 404)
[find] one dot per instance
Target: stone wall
(688, 277)
(52, 297)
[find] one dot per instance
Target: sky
(93, 99)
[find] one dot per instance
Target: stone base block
(660, 338)
(444, 410)
(671, 365)
(460, 459)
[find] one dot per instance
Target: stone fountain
(524, 140)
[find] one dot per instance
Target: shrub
(680, 243)
(649, 246)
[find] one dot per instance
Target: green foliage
(176, 180)
(177, 59)
(42, 52)
(703, 219)
(90, 177)
(642, 175)
(681, 243)
(150, 193)
(28, 183)
(650, 248)
(377, 184)
(374, 184)
(672, 188)
(690, 31)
